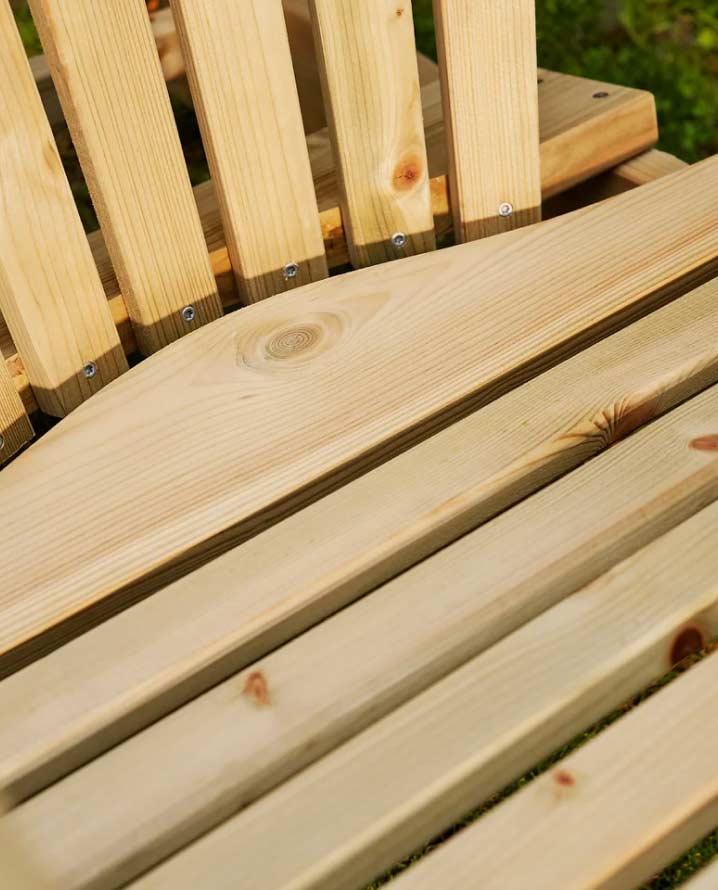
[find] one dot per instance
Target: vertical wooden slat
(50, 291)
(240, 71)
(367, 60)
(487, 58)
(109, 79)
(15, 427)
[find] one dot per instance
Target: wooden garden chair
(306, 586)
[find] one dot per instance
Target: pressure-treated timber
(240, 72)
(580, 136)
(467, 735)
(15, 427)
(487, 55)
(347, 367)
(321, 688)
(50, 292)
(175, 645)
(370, 80)
(611, 815)
(121, 121)
(18, 870)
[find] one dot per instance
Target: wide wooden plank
(17, 867)
(580, 136)
(50, 293)
(487, 56)
(175, 645)
(120, 117)
(240, 72)
(467, 736)
(609, 815)
(370, 80)
(353, 368)
(15, 427)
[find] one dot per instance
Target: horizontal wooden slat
(240, 71)
(15, 427)
(17, 866)
(462, 740)
(487, 55)
(580, 136)
(175, 645)
(610, 816)
(353, 368)
(121, 121)
(247, 735)
(50, 293)
(370, 83)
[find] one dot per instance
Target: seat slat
(431, 760)
(245, 736)
(370, 79)
(177, 644)
(15, 427)
(108, 76)
(240, 71)
(611, 815)
(487, 55)
(346, 367)
(50, 292)
(706, 879)
(17, 865)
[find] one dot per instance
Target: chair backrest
(280, 210)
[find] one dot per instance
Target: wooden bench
(317, 579)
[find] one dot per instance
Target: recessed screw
(2, 442)
(90, 370)
(506, 209)
(291, 270)
(540, 80)
(398, 239)
(601, 94)
(188, 314)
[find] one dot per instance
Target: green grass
(669, 47)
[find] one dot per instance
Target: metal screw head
(188, 314)
(90, 370)
(601, 94)
(398, 239)
(2, 442)
(506, 209)
(291, 270)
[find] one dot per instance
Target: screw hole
(291, 270)
(2, 442)
(90, 370)
(188, 314)
(601, 94)
(398, 239)
(506, 209)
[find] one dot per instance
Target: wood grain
(346, 367)
(108, 76)
(426, 763)
(15, 427)
(370, 80)
(659, 763)
(580, 137)
(50, 293)
(240, 72)
(175, 645)
(487, 57)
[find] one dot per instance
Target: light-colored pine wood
(15, 427)
(108, 76)
(240, 72)
(487, 56)
(50, 293)
(580, 136)
(426, 763)
(177, 644)
(370, 79)
(17, 867)
(346, 367)
(611, 815)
